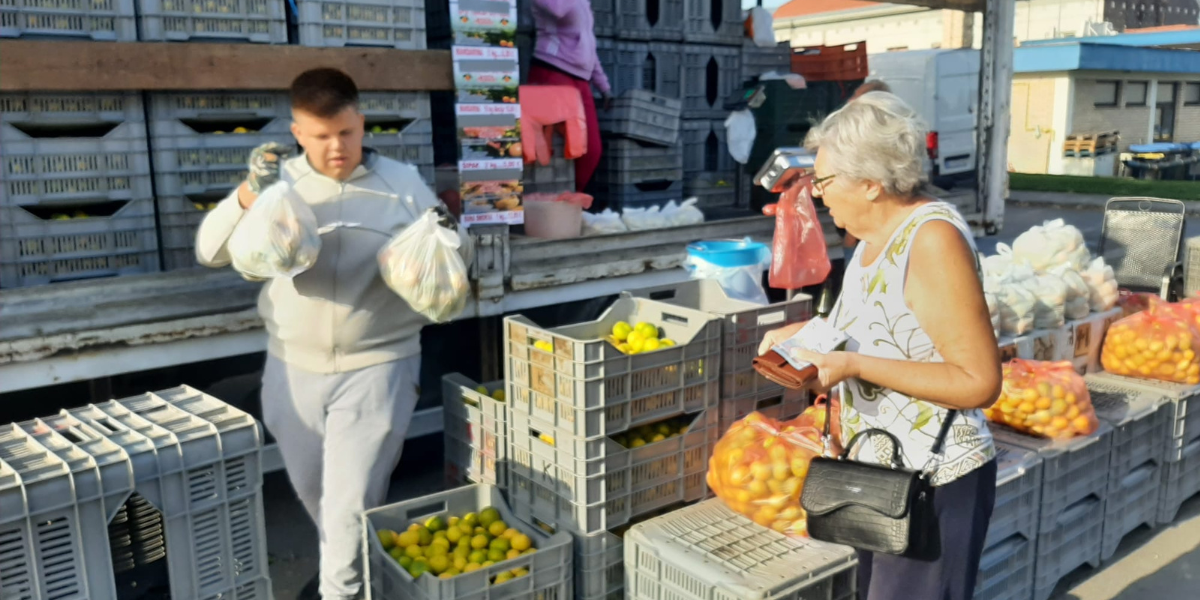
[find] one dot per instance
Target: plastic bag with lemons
(1044, 399)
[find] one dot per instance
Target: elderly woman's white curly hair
(876, 137)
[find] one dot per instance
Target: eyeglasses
(818, 183)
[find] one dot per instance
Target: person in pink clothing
(565, 54)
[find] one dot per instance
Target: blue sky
(770, 5)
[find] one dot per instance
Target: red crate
(831, 63)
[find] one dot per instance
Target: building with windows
(1145, 86)
(894, 27)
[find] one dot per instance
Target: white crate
(384, 23)
(1080, 341)
(261, 21)
(599, 566)
(103, 156)
(1073, 471)
(1006, 570)
(412, 145)
(549, 568)
(475, 427)
(1141, 429)
(1185, 418)
(562, 487)
(587, 387)
(101, 20)
(35, 250)
(1191, 269)
(1041, 344)
(41, 538)
(708, 552)
(197, 461)
(102, 477)
(780, 404)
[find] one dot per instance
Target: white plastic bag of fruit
(423, 266)
(1102, 283)
(1079, 295)
(277, 237)
(1051, 244)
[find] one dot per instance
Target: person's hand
(777, 336)
(265, 161)
(832, 368)
(607, 100)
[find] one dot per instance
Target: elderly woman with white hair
(920, 339)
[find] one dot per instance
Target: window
(1166, 93)
(1191, 94)
(1135, 93)
(1105, 93)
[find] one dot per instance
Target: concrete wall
(1134, 122)
(1034, 132)
(910, 29)
(1047, 19)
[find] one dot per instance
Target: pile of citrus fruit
(654, 432)
(448, 548)
(638, 339)
(497, 394)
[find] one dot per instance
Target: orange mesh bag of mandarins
(1047, 399)
(759, 465)
(1157, 343)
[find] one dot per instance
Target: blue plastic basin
(729, 253)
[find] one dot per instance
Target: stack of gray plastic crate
(555, 177)
(201, 142)
(1075, 486)
(710, 173)
(103, 20)
(599, 439)
(1181, 458)
(76, 199)
(259, 21)
(758, 61)
(173, 478)
(743, 327)
(641, 163)
(474, 431)
(1141, 421)
(379, 23)
(1007, 565)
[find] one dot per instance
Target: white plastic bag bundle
(1051, 244)
(740, 133)
(277, 237)
(644, 219)
(1016, 304)
(423, 266)
(999, 264)
(605, 223)
(676, 215)
(993, 305)
(1102, 283)
(1079, 295)
(763, 26)
(1051, 294)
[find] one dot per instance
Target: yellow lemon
(521, 542)
(651, 344)
(621, 331)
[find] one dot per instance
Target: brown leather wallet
(777, 369)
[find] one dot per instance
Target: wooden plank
(97, 66)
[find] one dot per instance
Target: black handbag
(874, 507)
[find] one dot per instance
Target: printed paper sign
(491, 191)
(485, 74)
(489, 131)
(484, 22)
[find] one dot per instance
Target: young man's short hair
(323, 92)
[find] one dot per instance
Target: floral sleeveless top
(873, 313)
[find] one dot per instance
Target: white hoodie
(338, 316)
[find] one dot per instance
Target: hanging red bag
(799, 257)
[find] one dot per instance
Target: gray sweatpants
(341, 436)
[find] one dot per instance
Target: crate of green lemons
(462, 543)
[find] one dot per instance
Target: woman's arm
(946, 296)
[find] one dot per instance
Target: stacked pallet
(167, 483)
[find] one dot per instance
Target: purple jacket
(566, 39)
